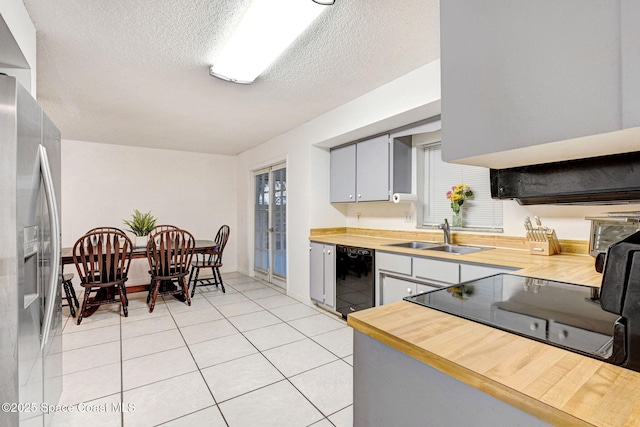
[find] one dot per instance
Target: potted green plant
(141, 224)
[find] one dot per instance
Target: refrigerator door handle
(55, 241)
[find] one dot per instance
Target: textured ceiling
(137, 72)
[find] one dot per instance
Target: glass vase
(456, 220)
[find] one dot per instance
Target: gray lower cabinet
(530, 73)
(323, 273)
(395, 288)
(434, 270)
(393, 389)
(394, 263)
(473, 272)
(399, 276)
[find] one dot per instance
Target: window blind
(481, 211)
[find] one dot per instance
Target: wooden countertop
(569, 268)
(555, 385)
(552, 384)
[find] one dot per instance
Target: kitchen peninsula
(484, 369)
(418, 366)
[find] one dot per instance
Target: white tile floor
(250, 357)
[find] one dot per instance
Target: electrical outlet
(408, 217)
(358, 215)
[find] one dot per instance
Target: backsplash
(568, 221)
(495, 240)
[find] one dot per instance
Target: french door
(270, 239)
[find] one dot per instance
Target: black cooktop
(556, 313)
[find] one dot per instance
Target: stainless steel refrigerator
(30, 263)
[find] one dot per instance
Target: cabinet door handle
(329, 252)
(351, 196)
(409, 290)
(359, 196)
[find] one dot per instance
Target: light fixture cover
(265, 31)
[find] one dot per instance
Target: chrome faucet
(446, 230)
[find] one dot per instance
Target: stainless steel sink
(440, 247)
(456, 249)
(414, 245)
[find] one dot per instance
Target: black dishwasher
(355, 279)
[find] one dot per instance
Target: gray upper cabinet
(630, 62)
(343, 174)
(517, 74)
(371, 170)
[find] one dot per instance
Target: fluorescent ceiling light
(265, 31)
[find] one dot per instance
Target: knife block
(541, 248)
(549, 247)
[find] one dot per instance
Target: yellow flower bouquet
(458, 194)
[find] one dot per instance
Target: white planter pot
(141, 241)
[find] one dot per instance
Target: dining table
(140, 252)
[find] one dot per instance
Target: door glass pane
(279, 208)
(270, 224)
(262, 222)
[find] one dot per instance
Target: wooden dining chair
(169, 254)
(70, 293)
(163, 227)
(210, 259)
(102, 260)
(106, 229)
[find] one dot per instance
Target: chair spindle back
(169, 252)
(102, 257)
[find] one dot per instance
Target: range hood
(612, 179)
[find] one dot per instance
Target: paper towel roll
(404, 198)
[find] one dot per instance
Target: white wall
(102, 184)
(405, 100)
(568, 221)
(17, 19)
